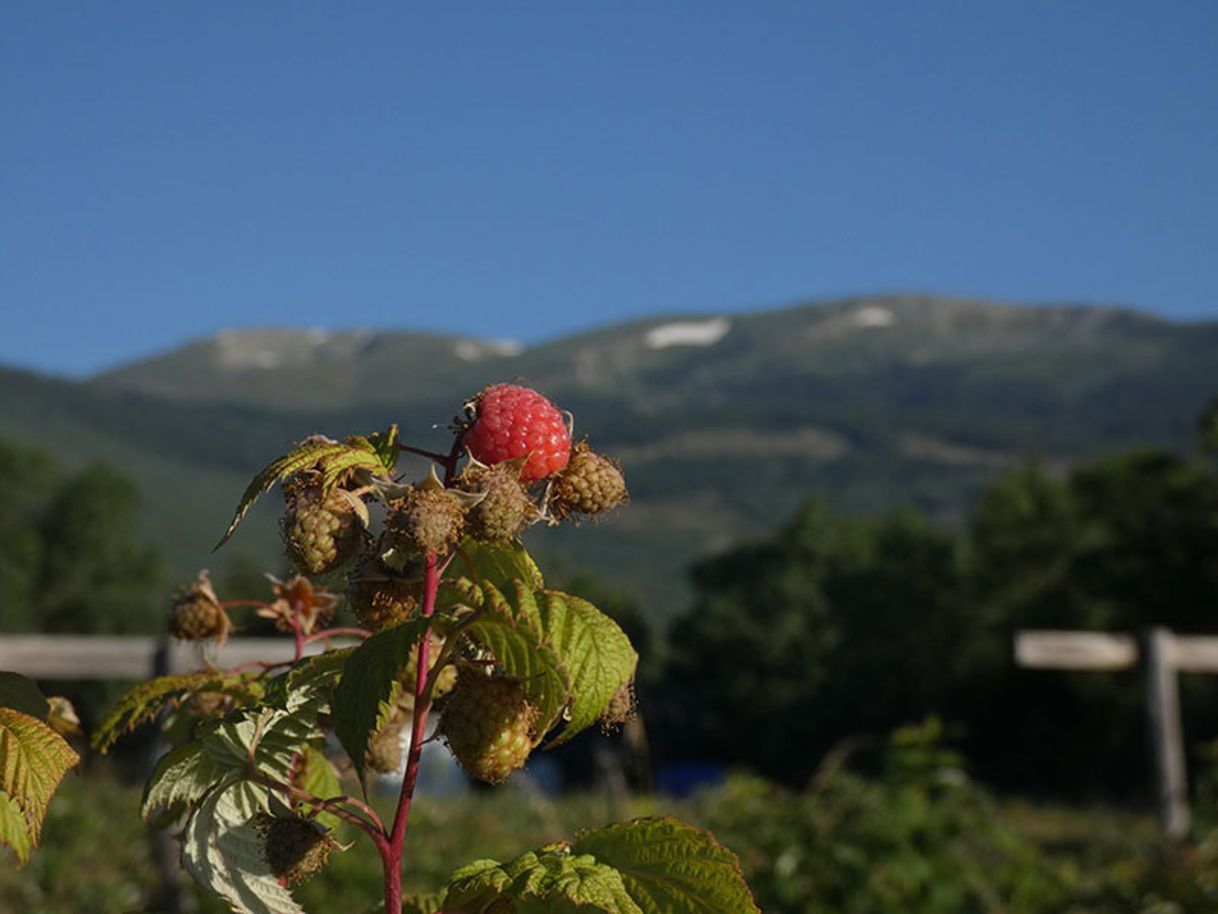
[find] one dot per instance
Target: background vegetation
(918, 835)
(792, 653)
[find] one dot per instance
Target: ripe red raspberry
(513, 421)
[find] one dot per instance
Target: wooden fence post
(1166, 738)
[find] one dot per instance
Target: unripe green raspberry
(384, 752)
(321, 532)
(426, 519)
(488, 723)
(504, 507)
(295, 847)
(208, 704)
(380, 599)
(591, 484)
(196, 613)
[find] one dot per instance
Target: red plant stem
(430, 455)
(233, 604)
(373, 829)
(298, 634)
(392, 859)
(391, 853)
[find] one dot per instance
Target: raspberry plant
(457, 620)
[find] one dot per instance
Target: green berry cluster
(488, 725)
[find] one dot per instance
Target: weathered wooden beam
(1075, 650)
(127, 656)
(1194, 653)
(1166, 736)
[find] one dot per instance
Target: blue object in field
(683, 779)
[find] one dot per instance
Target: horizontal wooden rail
(128, 656)
(1075, 650)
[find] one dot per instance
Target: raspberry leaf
(180, 778)
(384, 445)
(423, 904)
(550, 881)
(14, 829)
(20, 694)
(335, 461)
(309, 683)
(145, 701)
(668, 866)
(223, 851)
(315, 774)
(496, 563)
(363, 700)
(33, 760)
(267, 738)
(595, 651)
(509, 630)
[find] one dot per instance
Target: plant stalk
(392, 854)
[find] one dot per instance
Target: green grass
(852, 847)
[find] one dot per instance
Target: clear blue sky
(524, 169)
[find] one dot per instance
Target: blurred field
(915, 837)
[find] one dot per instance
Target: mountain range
(724, 423)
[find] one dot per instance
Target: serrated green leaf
(595, 651)
(146, 699)
(385, 444)
(310, 681)
(316, 774)
(669, 867)
(19, 693)
(363, 700)
(302, 458)
(333, 459)
(181, 777)
(222, 850)
(546, 882)
(574, 884)
(337, 467)
(498, 564)
(521, 649)
(423, 904)
(270, 738)
(33, 760)
(479, 883)
(14, 830)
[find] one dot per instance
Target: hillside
(723, 423)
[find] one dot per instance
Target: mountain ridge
(869, 401)
(204, 368)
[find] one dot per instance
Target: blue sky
(524, 169)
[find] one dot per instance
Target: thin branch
(373, 829)
(430, 455)
(234, 604)
(327, 633)
(299, 635)
(393, 859)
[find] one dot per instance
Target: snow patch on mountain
(687, 333)
(476, 350)
(873, 316)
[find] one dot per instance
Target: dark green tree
(832, 627)
(1120, 544)
(71, 557)
(26, 481)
